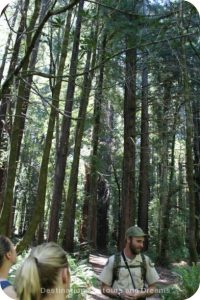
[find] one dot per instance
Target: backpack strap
(4, 284)
(143, 268)
(126, 263)
(116, 266)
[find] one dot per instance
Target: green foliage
(82, 278)
(188, 285)
(177, 238)
(57, 22)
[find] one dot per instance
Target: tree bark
(85, 208)
(196, 147)
(128, 213)
(104, 179)
(70, 209)
(8, 43)
(92, 220)
(5, 126)
(192, 246)
(163, 125)
(16, 136)
(42, 182)
(103, 194)
(53, 219)
(5, 97)
(63, 147)
(144, 188)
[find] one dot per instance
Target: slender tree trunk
(40, 232)
(5, 97)
(16, 137)
(92, 224)
(144, 188)
(128, 213)
(53, 219)
(189, 176)
(2, 170)
(103, 193)
(27, 82)
(42, 182)
(70, 206)
(8, 42)
(62, 152)
(196, 147)
(22, 216)
(189, 150)
(69, 214)
(37, 33)
(164, 184)
(117, 217)
(85, 209)
(104, 179)
(5, 126)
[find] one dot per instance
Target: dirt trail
(98, 262)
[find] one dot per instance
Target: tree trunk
(16, 137)
(27, 82)
(117, 213)
(103, 193)
(53, 219)
(163, 125)
(69, 214)
(83, 234)
(196, 147)
(144, 188)
(189, 153)
(189, 171)
(63, 147)
(104, 178)
(92, 221)
(5, 127)
(128, 213)
(70, 206)
(6, 94)
(42, 182)
(8, 42)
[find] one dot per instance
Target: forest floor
(98, 261)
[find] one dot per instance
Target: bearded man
(129, 275)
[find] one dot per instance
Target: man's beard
(134, 250)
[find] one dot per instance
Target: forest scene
(100, 131)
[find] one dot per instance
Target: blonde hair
(40, 271)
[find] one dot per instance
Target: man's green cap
(135, 231)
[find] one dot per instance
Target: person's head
(7, 252)
(135, 239)
(43, 273)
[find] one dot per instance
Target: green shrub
(189, 280)
(82, 279)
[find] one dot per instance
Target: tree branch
(194, 49)
(126, 12)
(113, 56)
(50, 13)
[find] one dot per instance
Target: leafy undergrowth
(82, 279)
(188, 283)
